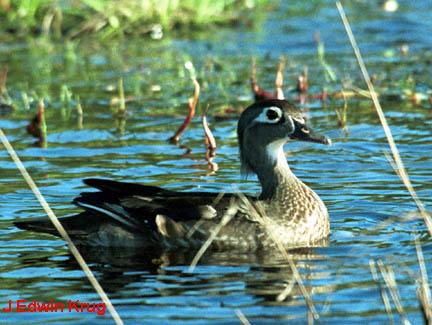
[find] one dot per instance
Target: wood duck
(134, 215)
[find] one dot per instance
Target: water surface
(352, 177)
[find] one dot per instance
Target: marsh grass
(390, 281)
(80, 113)
(242, 318)
(210, 143)
(109, 18)
(384, 296)
(229, 214)
(329, 73)
(192, 104)
(59, 227)
(395, 160)
(3, 79)
(423, 288)
(279, 79)
(258, 214)
(6, 102)
(121, 109)
(341, 113)
(268, 225)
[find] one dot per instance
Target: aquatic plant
(210, 143)
(423, 288)
(59, 227)
(396, 159)
(261, 94)
(37, 126)
(109, 18)
(192, 103)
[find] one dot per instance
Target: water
(352, 177)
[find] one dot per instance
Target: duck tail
(38, 225)
(74, 225)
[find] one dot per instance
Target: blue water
(366, 200)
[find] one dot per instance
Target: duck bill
(303, 133)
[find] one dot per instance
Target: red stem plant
(37, 126)
(210, 143)
(191, 113)
(259, 93)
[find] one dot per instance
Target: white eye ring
(264, 118)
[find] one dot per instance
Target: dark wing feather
(124, 188)
(138, 205)
(135, 207)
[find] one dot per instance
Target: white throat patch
(276, 153)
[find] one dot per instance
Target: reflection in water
(262, 275)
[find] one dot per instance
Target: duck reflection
(265, 275)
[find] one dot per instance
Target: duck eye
(272, 115)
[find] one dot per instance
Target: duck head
(264, 128)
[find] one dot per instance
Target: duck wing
(178, 219)
(136, 206)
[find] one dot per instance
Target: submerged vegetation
(108, 18)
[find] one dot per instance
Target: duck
(287, 211)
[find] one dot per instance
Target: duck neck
(275, 172)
